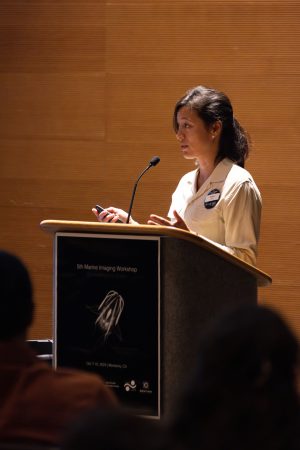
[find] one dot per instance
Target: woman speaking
(219, 199)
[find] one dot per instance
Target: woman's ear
(216, 128)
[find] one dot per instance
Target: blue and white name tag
(212, 198)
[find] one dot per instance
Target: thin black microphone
(154, 161)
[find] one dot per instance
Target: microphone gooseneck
(154, 161)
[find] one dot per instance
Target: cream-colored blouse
(226, 209)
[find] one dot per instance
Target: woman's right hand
(112, 215)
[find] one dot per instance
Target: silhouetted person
(244, 392)
(36, 402)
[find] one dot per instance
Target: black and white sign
(107, 313)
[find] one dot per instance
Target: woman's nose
(179, 135)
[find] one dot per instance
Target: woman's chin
(187, 155)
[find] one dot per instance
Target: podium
(131, 300)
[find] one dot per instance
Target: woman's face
(196, 140)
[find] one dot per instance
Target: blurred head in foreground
(244, 392)
(16, 303)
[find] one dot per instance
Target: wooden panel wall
(87, 90)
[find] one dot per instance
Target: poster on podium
(107, 313)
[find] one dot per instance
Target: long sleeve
(241, 213)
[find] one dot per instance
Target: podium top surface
(55, 226)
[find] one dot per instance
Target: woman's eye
(186, 125)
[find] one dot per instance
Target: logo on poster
(145, 388)
(130, 386)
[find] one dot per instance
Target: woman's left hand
(178, 223)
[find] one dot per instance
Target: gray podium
(138, 297)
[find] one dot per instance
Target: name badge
(212, 198)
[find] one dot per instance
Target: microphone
(154, 161)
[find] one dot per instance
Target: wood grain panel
(192, 37)
(76, 175)
(55, 36)
(52, 106)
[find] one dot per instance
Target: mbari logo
(130, 386)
